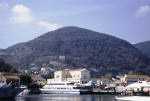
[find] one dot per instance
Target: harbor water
(63, 97)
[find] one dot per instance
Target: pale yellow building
(38, 80)
(81, 76)
(129, 78)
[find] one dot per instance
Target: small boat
(132, 98)
(64, 88)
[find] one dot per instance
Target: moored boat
(132, 98)
(25, 91)
(7, 91)
(64, 88)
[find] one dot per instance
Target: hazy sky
(23, 20)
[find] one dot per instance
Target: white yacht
(64, 88)
(132, 98)
(140, 85)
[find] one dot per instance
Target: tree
(25, 80)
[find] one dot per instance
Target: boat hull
(9, 92)
(132, 98)
(55, 91)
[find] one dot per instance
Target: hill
(1, 50)
(4, 67)
(74, 47)
(144, 47)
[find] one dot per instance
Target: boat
(64, 88)
(24, 92)
(142, 86)
(132, 98)
(7, 91)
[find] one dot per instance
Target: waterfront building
(129, 78)
(81, 76)
(38, 80)
(10, 78)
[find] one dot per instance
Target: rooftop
(10, 74)
(80, 69)
(136, 76)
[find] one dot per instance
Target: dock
(104, 92)
(114, 92)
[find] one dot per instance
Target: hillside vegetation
(4, 67)
(98, 52)
(144, 47)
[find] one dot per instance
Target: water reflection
(56, 97)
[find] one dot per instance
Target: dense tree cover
(25, 80)
(98, 52)
(144, 47)
(4, 67)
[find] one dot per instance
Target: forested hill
(100, 53)
(4, 67)
(144, 47)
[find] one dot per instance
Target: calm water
(54, 97)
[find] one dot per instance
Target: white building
(38, 80)
(81, 76)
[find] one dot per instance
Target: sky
(24, 20)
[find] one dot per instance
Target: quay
(103, 92)
(80, 81)
(135, 93)
(113, 92)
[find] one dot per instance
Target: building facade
(38, 80)
(10, 79)
(81, 76)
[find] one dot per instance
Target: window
(84, 76)
(70, 83)
(57, 76)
